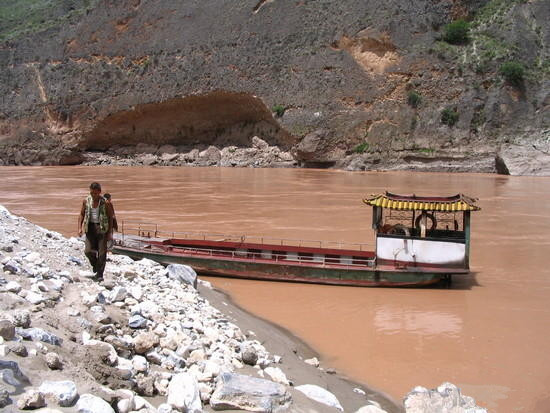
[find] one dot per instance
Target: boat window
(254, 253)
(279, 255)
(305, 256)
(332, 259)
(359, 260)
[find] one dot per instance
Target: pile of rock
(258, 155)
(444, 399)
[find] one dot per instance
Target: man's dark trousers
(96, 248)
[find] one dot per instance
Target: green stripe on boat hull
(367, 277)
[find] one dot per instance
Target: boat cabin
(416, 230)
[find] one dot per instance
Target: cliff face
(355, 84)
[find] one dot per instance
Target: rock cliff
(354, 85)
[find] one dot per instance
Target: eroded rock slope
(329, 81)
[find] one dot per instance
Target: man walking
(96, 220)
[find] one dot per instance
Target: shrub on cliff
(279, 110)
(414, 98)
(449, 116)
(513, 72)
(456, 32)
(361, 148)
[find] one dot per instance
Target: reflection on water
(487, 333)
(394, 320)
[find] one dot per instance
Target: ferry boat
(418, 241)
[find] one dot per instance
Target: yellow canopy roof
(454, 203)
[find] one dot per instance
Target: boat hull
(293, 272)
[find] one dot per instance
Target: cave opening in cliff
(221, 119)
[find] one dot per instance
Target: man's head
(95, 190)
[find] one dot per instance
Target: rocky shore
(152, 339)
(510, 159)
(258, 154)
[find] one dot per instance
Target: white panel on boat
(346, 260)
(423, 251)
(292, 256)
(240, 252)
(318, 257)
(267, 254)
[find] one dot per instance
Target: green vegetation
(456, 32)
(449, 116)
(486, 51)
(513, 72)
(494, 12)
(544, 66)
(279, 110)
(444, 50)
(22, 17)
(428, 151)
(361, 148)
(414, 98)
(487, 45)
(491, 48)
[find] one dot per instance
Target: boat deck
(230, 250)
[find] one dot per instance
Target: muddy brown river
(489, 333)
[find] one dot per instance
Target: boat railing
(263, 256)
(151, 231)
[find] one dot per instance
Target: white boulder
(183, 393)
(88, 403)
(320, 395)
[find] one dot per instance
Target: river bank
(508, 159)
(146, 340)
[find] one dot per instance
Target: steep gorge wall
(209, 72)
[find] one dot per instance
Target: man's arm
(81, 218)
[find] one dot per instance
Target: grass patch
(22, 17)
(494, 12)
(543, 68)
(491, 48)
(444, 50)
(361, 148)
(300, 129)
(428, 151)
